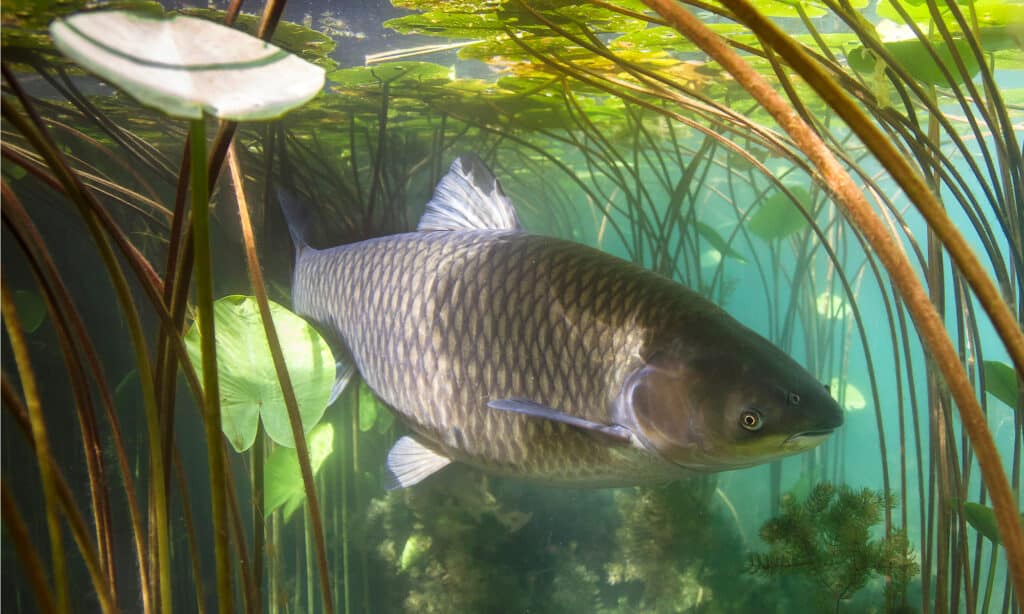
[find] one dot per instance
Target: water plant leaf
(416, 546)
(249, 388)
(849, 395)
(983, 519)
(711, 236)
(392, 73)
(308, 44)
(777, 217)
(832, 306)
(186, 66)
(367, 407)
(914, 57)
(282, 476)
(31, 310)
(1001, 382)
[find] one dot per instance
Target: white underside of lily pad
(185, 65)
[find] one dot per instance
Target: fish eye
(751, 420)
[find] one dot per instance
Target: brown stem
(256, 279)
(31, 566)
(859, 213)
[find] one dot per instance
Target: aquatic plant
(625, 135)
(827, 537)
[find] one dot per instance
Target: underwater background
(882, 247)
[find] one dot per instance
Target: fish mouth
(807, 439)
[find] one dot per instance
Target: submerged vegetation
(839, 176)
(827, 538)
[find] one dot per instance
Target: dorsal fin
(469, 198)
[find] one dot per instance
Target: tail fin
(297, 217)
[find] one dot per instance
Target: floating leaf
(282, 476)
(248, 381)
(185, 65)
(847, 394)
(778, 217)
(392, 73)
(31, 310)
(308, 44)
(916, 59)
(832, 306)
(1001, 382)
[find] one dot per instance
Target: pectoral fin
(521, 406)
(410, 462)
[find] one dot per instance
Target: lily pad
(914, 57)
(391, 73)
(832, 306)
(282, 476)
(850, 396)
(249, 388)
(777, 217)
(1001, 382)
(186, 66)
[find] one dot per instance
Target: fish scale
(536, 357)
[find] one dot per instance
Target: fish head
(724, 408)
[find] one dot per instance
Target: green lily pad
(31, 310)
(832, 306)
(777, 217)
(186, 66)
(914, 57)
(282, 477)
(392, 73)
(1001, 382)
(249, 388)
(851, 396)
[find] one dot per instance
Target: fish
(534, 357)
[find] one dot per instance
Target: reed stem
(211, 384)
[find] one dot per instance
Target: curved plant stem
(40, 442)
(31, 566)
(34, 130)
(256, 278)
(75, 520)
(901, 170)
(858, 211)
(25, 232)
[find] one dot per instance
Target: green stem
(991, 580)
(35, 131)
(211, 386)
(19, 348)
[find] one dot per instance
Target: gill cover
(655, 401)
